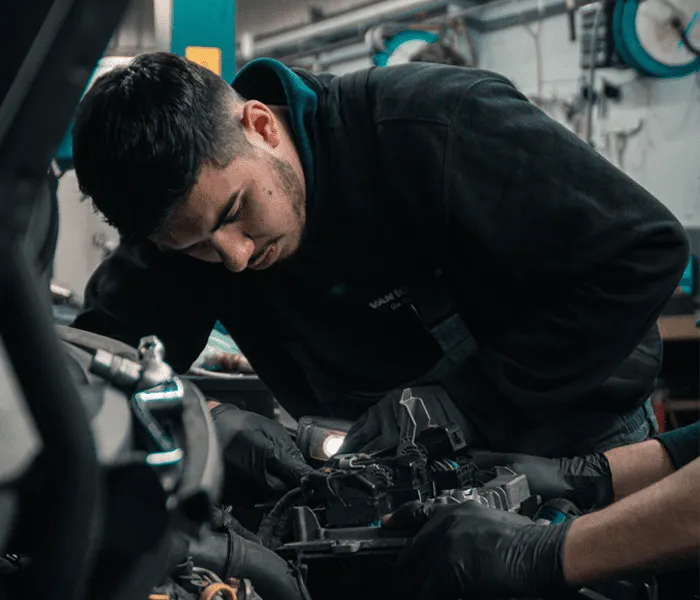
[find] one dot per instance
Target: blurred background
(624, 75)
(647, 125)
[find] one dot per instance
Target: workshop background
(623, 74)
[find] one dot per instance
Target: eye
(236, 211)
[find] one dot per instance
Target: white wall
(76, 255)
(664, 156)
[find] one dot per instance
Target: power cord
(678, 24)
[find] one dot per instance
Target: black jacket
(559, 264)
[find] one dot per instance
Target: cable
(678, 24)
(268, 526)
(214, 589)
(591, 82)
(298, 570)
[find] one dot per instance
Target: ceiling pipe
(488, 16)
(361, 18)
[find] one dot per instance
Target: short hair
(142, 133)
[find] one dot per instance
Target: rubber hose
(272, 576)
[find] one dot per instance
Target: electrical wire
(591, 80)
(536, 35)
(267, 532)
(678, 24)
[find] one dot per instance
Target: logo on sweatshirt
(396, 298)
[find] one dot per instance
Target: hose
(275, 521)
(230, 555)
(272, 576)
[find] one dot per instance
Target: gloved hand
(585, 480)
(379, 427)
(258, 450)
(464, 549)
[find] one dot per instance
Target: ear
(260, 124)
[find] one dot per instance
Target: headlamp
(320, 438)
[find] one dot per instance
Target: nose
(234, 248)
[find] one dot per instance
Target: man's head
(169, 152)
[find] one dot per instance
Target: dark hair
(142, 133)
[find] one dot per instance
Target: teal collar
(271, 82)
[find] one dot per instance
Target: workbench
(679, 328)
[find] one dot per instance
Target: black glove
(465, 549)
(257, 451)
(585, 480)
(379, 427)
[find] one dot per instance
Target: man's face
(249, 214)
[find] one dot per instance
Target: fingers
(410, 516)
(362, 432)
(288, 465)
(413, 515)
(426, 570)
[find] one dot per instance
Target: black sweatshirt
(558, 263)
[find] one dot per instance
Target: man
(654, 524)
(421, 225)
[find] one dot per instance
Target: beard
(291, 185)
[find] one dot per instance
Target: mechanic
(421, 224)
(654, 524)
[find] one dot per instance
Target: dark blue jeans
(631, 428)
(582, 432)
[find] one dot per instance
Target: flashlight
(321, 437)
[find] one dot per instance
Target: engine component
(508, 491)
(345, 500)
(343, 503)
(358, 489)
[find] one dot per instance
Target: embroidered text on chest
(394, 299)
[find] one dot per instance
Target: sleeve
(590, 257)
(139, 291)
(271, 362)
(682, 445)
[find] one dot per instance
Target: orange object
(206, 57)
(660, 414)
(218, 588)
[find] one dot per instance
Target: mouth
(266, 259)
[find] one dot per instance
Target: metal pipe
(506, 13)
(363, 17)
(498, 11)
(163, 24)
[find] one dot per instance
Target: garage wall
(77, 255)
(664, 156)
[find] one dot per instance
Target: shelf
(679, 327)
